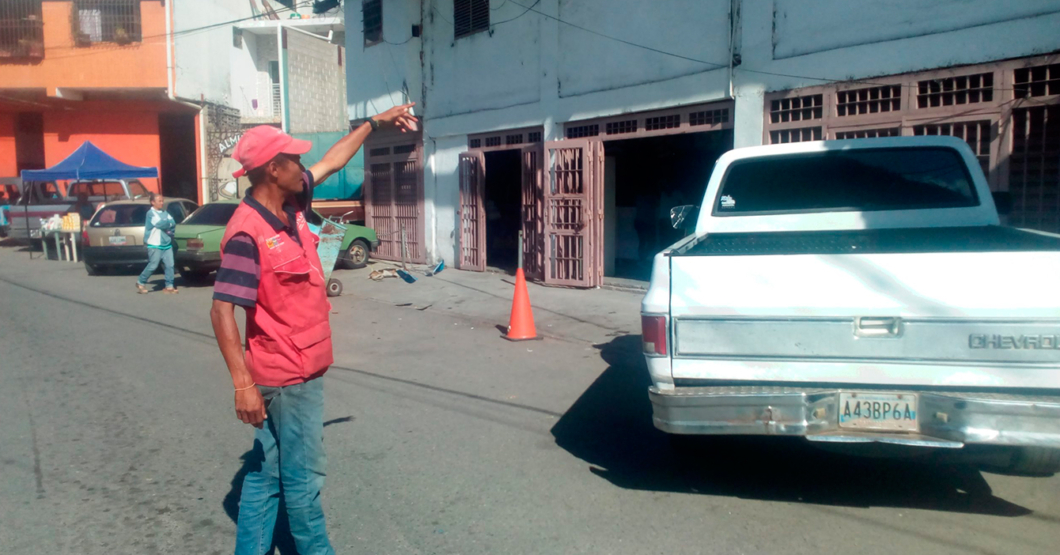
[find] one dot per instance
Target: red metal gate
(472, 211)
(572, 221)
(533, 208)
(393, 198)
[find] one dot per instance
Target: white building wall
(534, 70)
(201, 56)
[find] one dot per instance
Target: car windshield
(109, 189)
(851, 180)
(212, 214)
(118, 215)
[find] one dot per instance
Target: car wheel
(194, 276)
(356, 256)
(1035, 461)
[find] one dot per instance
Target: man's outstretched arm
(342, 152)
(250, 407)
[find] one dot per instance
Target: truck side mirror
(1003, 202)
(684, 216)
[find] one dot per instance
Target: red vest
(288, 334)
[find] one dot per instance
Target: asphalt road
(117, 435)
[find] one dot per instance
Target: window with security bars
(1034, 168)
(868, 133)
(372, 14)
(405, 149)
(493, 141)
(1037, 81)
(474, 143)
(662, 122)
(621, 127)
(975, 133)
(800, 135)
(513, 139)
(470, 17)
(583, 131)
(872, 100)
(21, 29)
(534, 137)
(797, 109)
(709, 117)
(116, 21)
(954, 91)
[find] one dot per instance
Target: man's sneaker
(141, 288)
(170, 290)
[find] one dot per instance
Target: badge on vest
(274, 241)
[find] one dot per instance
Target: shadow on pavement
(282, 541)
(610, 427)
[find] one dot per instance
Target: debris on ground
(380, 275)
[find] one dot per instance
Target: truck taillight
(84, 236)
(194, 244)
(653, 333)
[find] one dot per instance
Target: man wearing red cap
(270, 267)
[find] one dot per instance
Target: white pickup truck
(859, 292)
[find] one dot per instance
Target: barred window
(975, 133)
(872, 100)
(372, 13)
(513, 139)
(621, 127)
(795, 135)
(662, 122)
(1038, 81)
(21, 29)
(474, 143)
(115, 21)
(493, 141)
(797, 109)
(583, 131)
(868, 133)
(965, 89)
(470, 17)
(709, 117)
(405, 149)
(381, 151)
(535, 137)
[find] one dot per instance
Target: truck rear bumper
(946, 419)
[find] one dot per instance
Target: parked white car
(858, 292)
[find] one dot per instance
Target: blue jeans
(153, 258)
(291, 446)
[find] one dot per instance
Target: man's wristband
(246, 388)
(374, 124)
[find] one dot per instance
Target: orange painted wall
(129, 136)
(8, 165)
(106, 65)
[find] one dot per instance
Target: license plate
(878, 411)
(117, 241)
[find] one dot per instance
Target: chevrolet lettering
(986, 341)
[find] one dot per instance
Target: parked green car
(198, 241)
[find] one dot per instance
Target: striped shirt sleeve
(237, 279)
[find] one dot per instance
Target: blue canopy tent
(86, 163)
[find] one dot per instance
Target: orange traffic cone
(521, 326)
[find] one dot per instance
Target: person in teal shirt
(158, 237)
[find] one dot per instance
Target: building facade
(581, 122)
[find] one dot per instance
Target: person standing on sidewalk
(158, 236)
(270, 267)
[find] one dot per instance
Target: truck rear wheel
(1035, 461)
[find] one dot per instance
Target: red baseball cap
(261, 144)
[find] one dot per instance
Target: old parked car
(43, 199)
(198, 241)
(114, 237)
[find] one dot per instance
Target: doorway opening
(503, 205)
(177, 168)
(643, 179)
